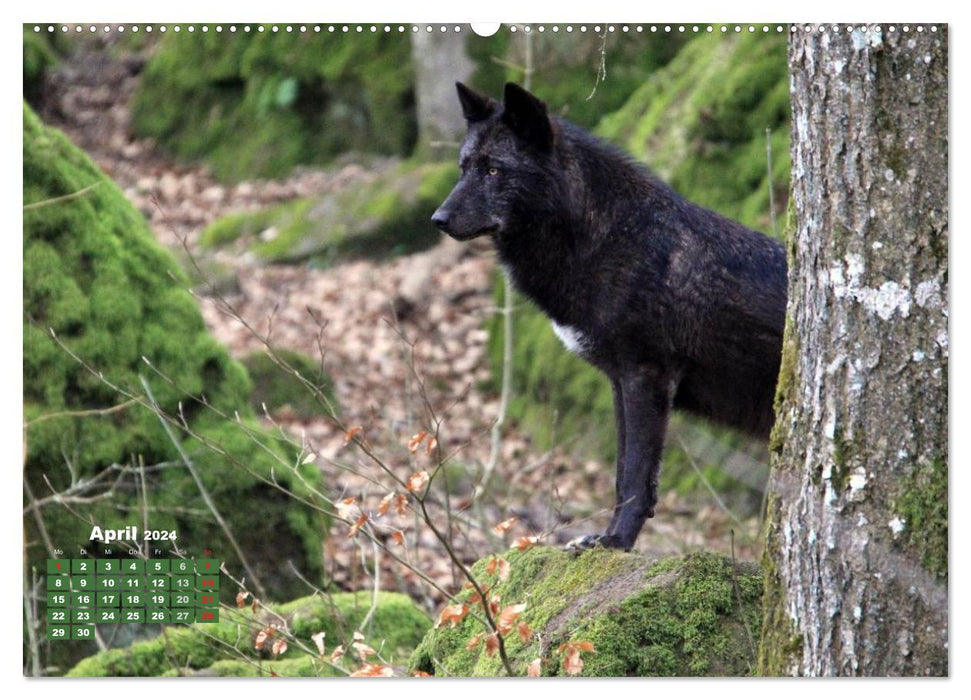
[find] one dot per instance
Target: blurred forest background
(228, 234)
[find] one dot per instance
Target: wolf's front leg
(642, 401)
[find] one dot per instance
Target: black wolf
(678, 306)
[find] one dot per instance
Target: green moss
(227, 647)
(259, 103)
(388, 216)
(40, 53)
(693, 615)
(701, 122)
(922, 505)
(275, 386)
(115, 298)
(781, 643)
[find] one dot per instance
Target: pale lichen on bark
(860, 444)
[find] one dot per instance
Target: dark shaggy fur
(678, 306)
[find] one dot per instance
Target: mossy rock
(227, 648)
(255, 104)
(117, 300)
(277, 388)
(387, 216)
(700, 124)
(694, 615)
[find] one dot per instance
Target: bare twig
(204, 492)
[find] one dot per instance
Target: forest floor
(390, 375)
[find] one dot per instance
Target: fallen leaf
(492, 644)
(373, 671)
(279, 646)
(421, 674)
(261, 638)
(452, 614)
(508, 617)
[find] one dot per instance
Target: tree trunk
(440, 60)
(856, 523)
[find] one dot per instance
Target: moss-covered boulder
(254, 104)
(98, 287)
(228, 647)
(700, 123)
(277, 388)
(387, 216)
(695, 615)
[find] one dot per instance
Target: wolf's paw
(582, 544)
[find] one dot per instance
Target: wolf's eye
(493, 172)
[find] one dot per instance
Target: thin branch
(204, 492)
(63, 198)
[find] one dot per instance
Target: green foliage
(259, 103)
(275, 386)
(698, 121)
(692, 615)
(94, 275)
(388, 216)
(40, 55)
(226, 648)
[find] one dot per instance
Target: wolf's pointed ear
(475, 107)
(526, 116)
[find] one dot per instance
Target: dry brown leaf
(318, 639)
(400, 504)
(385, 503)
(417, 481)
(421, 674)
(399, 537)
(346, 508)
(507, 618)
(351, 434)
(279, 646)
(337, 655)
(452, 614)
(363, 650)
(492, 644)
(525, 633)
(534, 670)
(430, 445)
(505, 525)
(524, 543)
(261, 638)
(416, 441)
(474, 642)
(373, 671)
(255, 604)
(572, 663)
(241, 599)
(357, 525)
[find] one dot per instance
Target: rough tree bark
(856, 526)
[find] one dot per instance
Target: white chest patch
(571, 338)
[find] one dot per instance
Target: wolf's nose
(440, 219)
